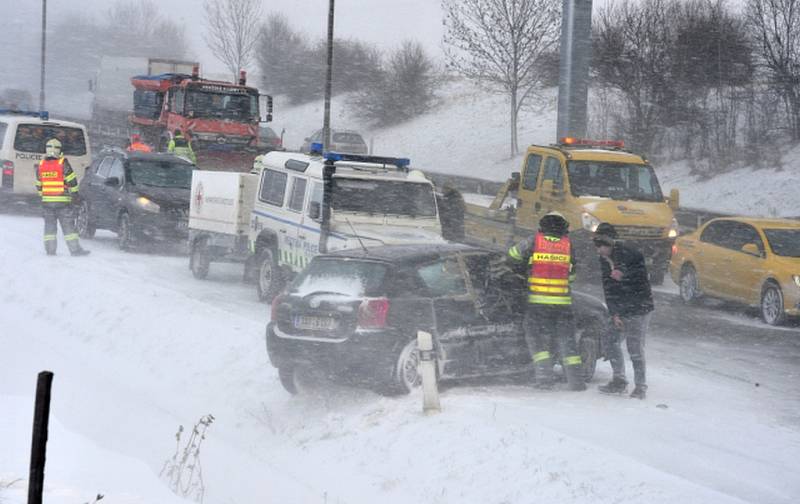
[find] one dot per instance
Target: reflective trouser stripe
(49, 237)
(71, 236)
(551, 300)
(540, 356)
(573, 360)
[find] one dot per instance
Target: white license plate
(315, 323)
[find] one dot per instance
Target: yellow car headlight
(147, 205)
(673, 229)
(796, 279)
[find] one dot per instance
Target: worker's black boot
(639, 392)
(80, 252)
(615, 386)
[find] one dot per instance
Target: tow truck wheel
(690, 290)
(268, 275)
(772, 304)
(199, 261)
(83, 222)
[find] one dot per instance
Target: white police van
(294, 206)
(23, 136)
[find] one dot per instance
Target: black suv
(356, 313)
(141, 196)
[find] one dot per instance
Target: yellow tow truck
(589, 182)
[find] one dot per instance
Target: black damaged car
(356, 313)
(143, 197)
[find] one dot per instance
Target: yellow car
(752, 261)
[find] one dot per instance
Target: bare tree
(232, 31)
(501, 43)
(775, 26)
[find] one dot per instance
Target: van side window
(532, 168)
(3, 128)
(273, 187)
(316, 197)
(552, 171)
(298, 194)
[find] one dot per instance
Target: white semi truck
(293, 206)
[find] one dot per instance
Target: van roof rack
(41, 114)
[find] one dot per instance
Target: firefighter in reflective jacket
(56, 183)
(180, 146)
(549, 319)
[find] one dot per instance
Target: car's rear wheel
(83, 221)
(405, 376)
(268, 275)
(772, 310)
(125, 233)
(690, 290)
(288, 377)
(200, 259)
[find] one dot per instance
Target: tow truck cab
(590, 182)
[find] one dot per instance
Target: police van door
(309, 231)
(295, 254)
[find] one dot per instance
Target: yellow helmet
(53, 148)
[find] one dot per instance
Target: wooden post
(427, 370)
(41, 418)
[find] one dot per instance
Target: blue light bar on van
(42, 114)
(316, 148)
(402, 163)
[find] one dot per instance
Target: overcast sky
(384, 22)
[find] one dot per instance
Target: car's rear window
(345, 277)
(351, 138)
(33, 137)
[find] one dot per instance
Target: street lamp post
(44, 50)
(326, 121)
(573, 82)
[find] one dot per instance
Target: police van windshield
(383, 197)
(33, 137)
(161, 174)
(620, 181)
(239, 107)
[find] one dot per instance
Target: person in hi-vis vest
(549, 319)
(56, 183)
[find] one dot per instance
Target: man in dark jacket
(629, 300)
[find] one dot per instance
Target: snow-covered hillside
(138, 347)
(468, 134)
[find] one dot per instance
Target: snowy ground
(138, 347)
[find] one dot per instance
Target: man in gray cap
(630, 301)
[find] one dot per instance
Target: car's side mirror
(112, 182)
(674, 199)
(752, 249)
(315, 210)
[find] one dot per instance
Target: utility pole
(326, 121)
(573, 81)
(44, 50)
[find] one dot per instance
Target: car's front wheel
(405, 375)
(268, 275)
(772, 310)
(125, 232)
(83, 221)
(689, 287)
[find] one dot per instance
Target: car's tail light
(276, 302)
(8, 174)
(372, 313)
(674, 249)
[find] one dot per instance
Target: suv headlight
(673, 229)
(796, 279)
(589, 221)
(147, 205)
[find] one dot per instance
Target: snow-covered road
(138, 347)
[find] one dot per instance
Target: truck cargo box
(222, 202)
